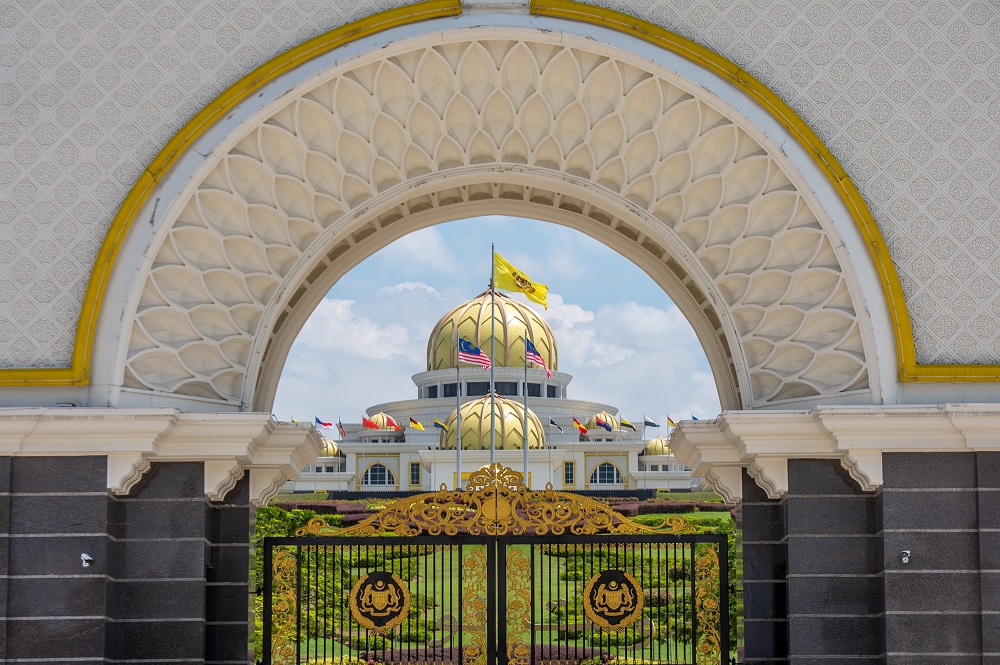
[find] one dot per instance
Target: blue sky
(619, 335)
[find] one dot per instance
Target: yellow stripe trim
(79, 373)
(909, 370)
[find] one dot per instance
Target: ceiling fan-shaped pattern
(703, 187)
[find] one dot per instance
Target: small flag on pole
(648, 423)
(440, 425)
(294, 420)
(340, 426)
(553, 423)
(323, 423)
(472, 354)
(626, 423)
(576, 423)
(670, 422)
(532, 356)
(415, 424)
(367, 423)
(509, 278)
(390, 423)
(694, 417)
(601, 422)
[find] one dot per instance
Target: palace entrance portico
(134, 446)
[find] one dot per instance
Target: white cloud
(422, 252)
(334, 326)
(404, 287)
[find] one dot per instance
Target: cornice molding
(763, 441)
(229, 444)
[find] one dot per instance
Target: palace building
(388, 450)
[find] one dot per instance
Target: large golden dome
(471, 321)
(509, 423)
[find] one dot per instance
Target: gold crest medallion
(380, 601)
(613, 599)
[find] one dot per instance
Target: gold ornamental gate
(496, 575)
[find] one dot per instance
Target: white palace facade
(397, 456)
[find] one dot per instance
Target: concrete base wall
(169, 574)
(825, 580)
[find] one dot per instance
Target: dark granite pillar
(765, 612)
(4, 550)
(834, 567)
(988, 476)
(228, 592)
(158, 595)
(54, 509)
(934, 603)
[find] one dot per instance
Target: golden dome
(657, 446)
(509, 421)
(592, 425)
(384, 421)
(330, 448)
(471, 321)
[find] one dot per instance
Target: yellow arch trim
(79, 372)
(909, 370)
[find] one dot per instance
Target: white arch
(420, 126)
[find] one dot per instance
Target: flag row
(392, 424)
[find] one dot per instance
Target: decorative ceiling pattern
(286, 188)
(905, 93)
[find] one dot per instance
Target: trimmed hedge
(635, 508)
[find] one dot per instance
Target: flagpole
(525, 389)
(458, 414)
(493, 351)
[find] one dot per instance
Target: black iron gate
(496, 575)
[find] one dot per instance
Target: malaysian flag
(472, 354)
(531, 355)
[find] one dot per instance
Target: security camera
(86, 559)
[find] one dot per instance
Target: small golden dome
(657, 446)
(330, 448)
(606, 417)
(384, 421)
(471, 321)
(509, 423)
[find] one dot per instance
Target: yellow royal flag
(509, 278)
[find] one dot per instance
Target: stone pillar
(933, 604)
(834, 566)
(161, 508)
(52, 510)
(227, 591)
(158, 593)
(988, 480)
(765, 603)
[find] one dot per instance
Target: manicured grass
(692, 518)
(311, 496)
(692, 497)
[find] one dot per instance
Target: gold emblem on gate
(380, 601)
(613, 599)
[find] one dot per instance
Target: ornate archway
(685, 177)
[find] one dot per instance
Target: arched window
(606, 474)
(378, 474)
